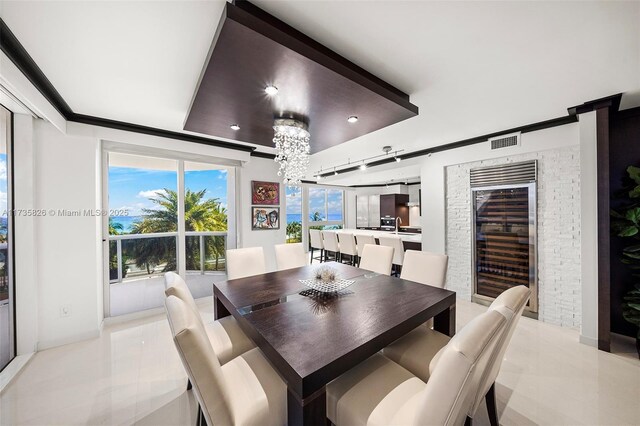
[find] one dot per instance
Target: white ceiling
(472, 67)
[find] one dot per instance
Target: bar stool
(315, 239)
(331, 245)
(361, 241)
(348, 247)
(398, 251)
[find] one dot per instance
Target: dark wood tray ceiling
(253, 49)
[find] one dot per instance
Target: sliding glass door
(7, 300)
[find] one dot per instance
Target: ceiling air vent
(505, 141)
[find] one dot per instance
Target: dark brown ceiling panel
(253, 49)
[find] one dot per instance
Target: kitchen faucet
(398, 219)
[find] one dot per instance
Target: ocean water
(126, 222)
(298, 217)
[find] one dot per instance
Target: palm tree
(115, 228)
(294, 232)
(200, 215)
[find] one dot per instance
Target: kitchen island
(411, 240)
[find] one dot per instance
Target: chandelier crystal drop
(291, 138)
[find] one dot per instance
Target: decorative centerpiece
(325, 280)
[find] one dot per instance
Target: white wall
(59, 259)
(68, 248)
(433, 175)
(24, 247)
(579, 135)
(266, 170)
(558, 231)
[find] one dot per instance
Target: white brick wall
(559, 287)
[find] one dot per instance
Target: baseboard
(48, 344)
(588, 341)
(13, 369)
(133, 316)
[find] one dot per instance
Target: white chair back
(316, 239)
(347, 243)
(330, 241)
(199, 361)
(510, 304)
(377, 259)
(452, 385)
(363, 240)
(174, 285)
(290, 256)
(398, 247)
(245, 262)
(425, 268)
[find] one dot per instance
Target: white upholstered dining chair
(361, 241)
(425, 268)
(377, 259)
(348, 247)
(245, 262)
(244, 391)
(422, 343)
(226, 337)
(380, 392)
(331, 245)
(398, 249)
(290, 256)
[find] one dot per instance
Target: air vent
(505, 141)
(511, 173)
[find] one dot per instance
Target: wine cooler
(504, 230)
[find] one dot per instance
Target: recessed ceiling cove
(261, 69)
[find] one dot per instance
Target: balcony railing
(134, 256)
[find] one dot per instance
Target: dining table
(310, 338)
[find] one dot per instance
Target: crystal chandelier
(291, 139)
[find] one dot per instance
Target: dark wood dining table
(312, 338)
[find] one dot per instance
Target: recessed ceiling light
(352, 119)
(363, 166)
(335, 173)
(398, 159)
(235, 127)
(271, 90)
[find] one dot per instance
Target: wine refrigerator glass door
(504, 239)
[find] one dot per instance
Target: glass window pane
(317, 204)
(143, 193)
(334, 204)
(205, 197)
(294, 214)
(7, 346)
(143, 197)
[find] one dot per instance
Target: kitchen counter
(407, 237)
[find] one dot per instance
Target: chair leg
(490, 399)
(468, 422)
(323, 255)
(189, 386)
(201, 420)
(311, 255)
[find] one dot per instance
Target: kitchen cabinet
(395, 205)
(368, 211)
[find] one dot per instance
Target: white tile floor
(132, 374)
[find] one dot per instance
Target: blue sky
(130, 188)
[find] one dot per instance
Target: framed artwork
(265, 193)
(265, 218)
